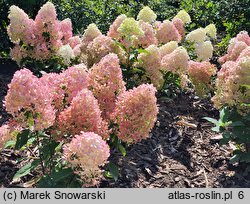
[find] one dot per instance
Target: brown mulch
(182, 151)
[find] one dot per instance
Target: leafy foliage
(230, 16)
(103, 13)
(236, 128)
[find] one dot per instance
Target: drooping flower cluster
(41, 38)
(135, 113)
(89, 152)
(28, 97)
(106, 83)
(200, 74)
(233, 81)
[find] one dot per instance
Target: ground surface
(181, 152)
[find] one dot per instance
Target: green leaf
(26, 169)
(222, 113)
(58, 178)
(48, 149)
(216, 129)
(235, 158)
(137, 70)
(237, 123)
(113, 170)
(140, 50)
(22, 139)
(10, 143)
(211, 120)
(120, 45)
(122, 150)
(245, 157)
(226, 138)
(61, 174)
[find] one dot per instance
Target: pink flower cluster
(176, 61)
(106, 83)
(89, 152)
(95, 46)
(99, 48)
(148, 38)
(234, 77)
(151, 62)
(168, 58)
(113, 30)
(153, 34)
(239, 44)
(66, 85)
(168, 32)
(40, 38)
(27, 94)
(83, 114)
(200, 74)
(135, 113)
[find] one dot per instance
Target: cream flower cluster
(203, 47)
(89, 152)
(147, 15)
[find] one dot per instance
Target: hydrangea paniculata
(83, 114)
(229, 85)
(204, 51)
(184, 16)
(180, 26)
(21, 28)
(168, 48)
(106, 83)
(27, 94)
(167, 32)
(90, 34)
(67, 53)
(151, 62)
(236, 46)
(176, 61)
(135, 113)
(149, 36)
(113, 30)
(130, 27)
(197, 36)
(89, 152)
(147, 15)
(211, 31)
(200, 74)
